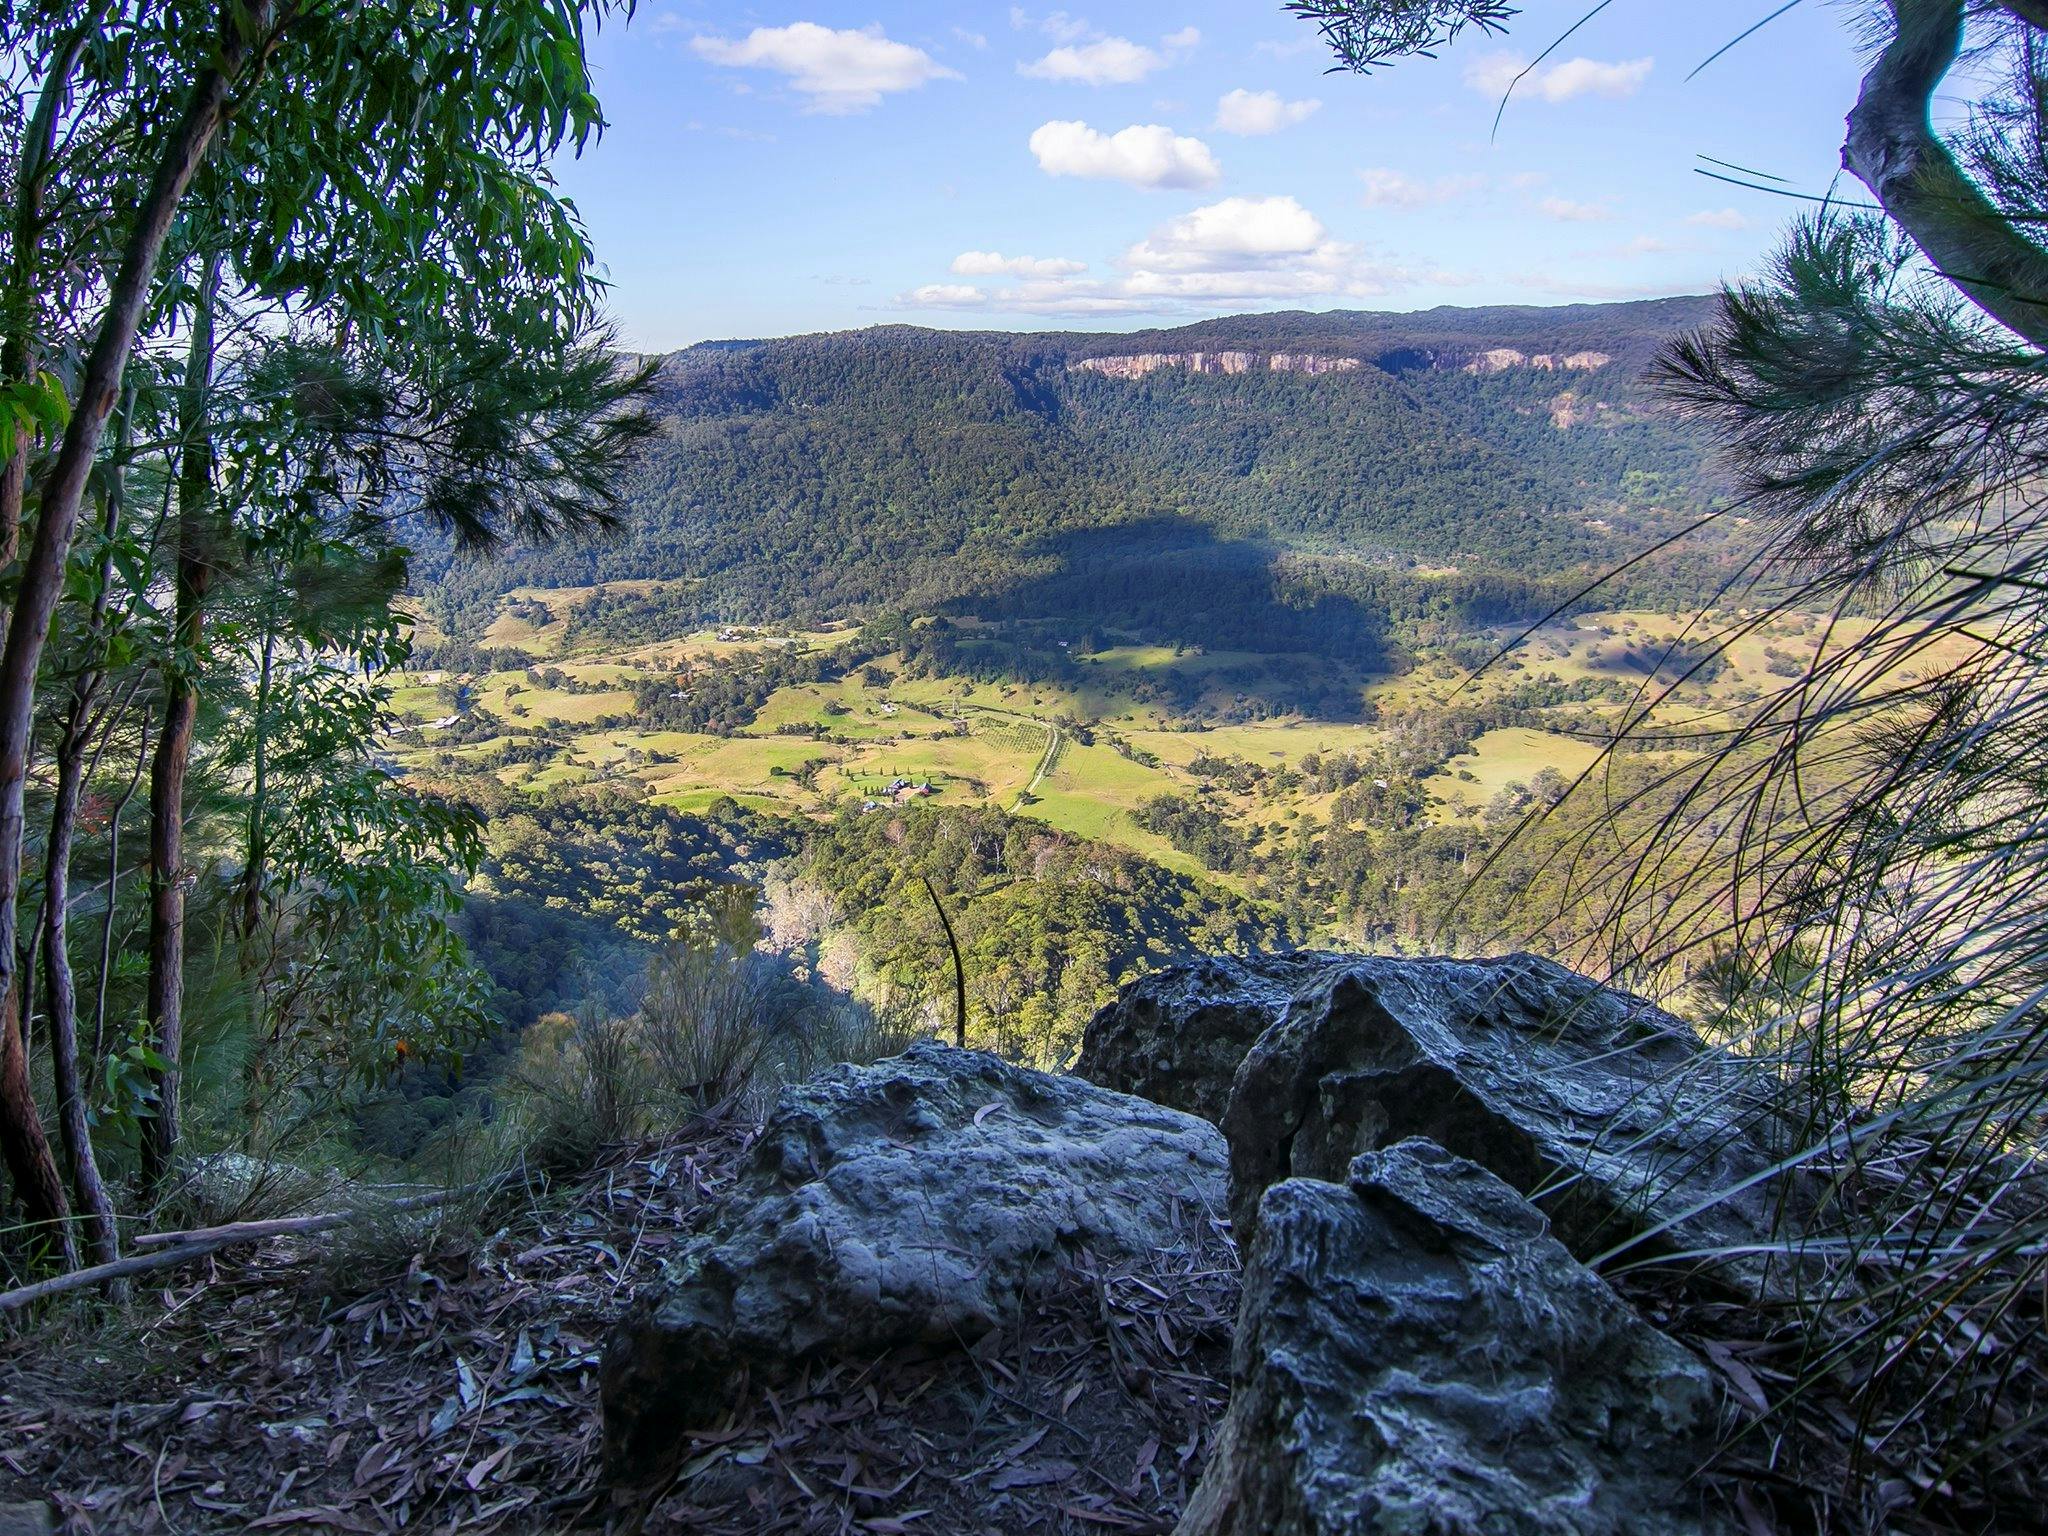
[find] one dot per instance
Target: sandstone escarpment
(1137, 365)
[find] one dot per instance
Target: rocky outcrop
(1176, 1036)
(925, 1198)
(1137, 365)
(1493, 360)
(1416, 1354)
(1501, 359)
(1605, 1110)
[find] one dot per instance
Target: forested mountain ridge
(1018, 475)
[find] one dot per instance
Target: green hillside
(1477, 460)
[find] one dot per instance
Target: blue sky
(823, 165)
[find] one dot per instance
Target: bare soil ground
(452, 1386)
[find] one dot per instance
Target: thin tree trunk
(29, 1161)
(93, 1201)
(99, 1026)
(167, 875)
(41, 577)
(72, 768)
(256, 840)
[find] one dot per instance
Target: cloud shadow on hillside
(1175, 581)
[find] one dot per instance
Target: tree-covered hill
(1320, 465)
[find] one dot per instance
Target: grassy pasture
(850, 737)
(1507, 756)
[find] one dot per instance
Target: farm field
(1130, 723)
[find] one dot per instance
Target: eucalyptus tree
(96, 680)
(380, 166)
(1859, 864)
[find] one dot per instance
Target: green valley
(1295, 614)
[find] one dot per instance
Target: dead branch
(169, 1248)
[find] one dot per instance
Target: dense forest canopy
(1508, 451)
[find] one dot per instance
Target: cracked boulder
(921, 1199)
(1416, 1354)
(1606, 1110)
(1176, 1036)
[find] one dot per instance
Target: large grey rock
(1606, 1110)
(1416, 1356)
(924, 1198)
(1176, 1036)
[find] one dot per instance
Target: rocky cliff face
(1493, 360)
(927, 1199)
(1142, 363)
(1501, 359)
(1416, 1353)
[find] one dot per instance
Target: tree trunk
(257, 841)
(93, 1200)
(73, 744)
(167, 875)
(1893, 149)
(112, 897)
(41, 575)
(27, 1150)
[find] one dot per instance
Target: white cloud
(1252, 114)
(944, 296)
(839, 71)
(1112, 61)
(1566, 211)
(1494, 73)
(1106, 60)
(994, 264)
(1237, 252)
(1228, 233)
(1386, 188)
(1719, 218)
(1144, 155)
(1245, 248)
(972, 39)
(728, 131)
